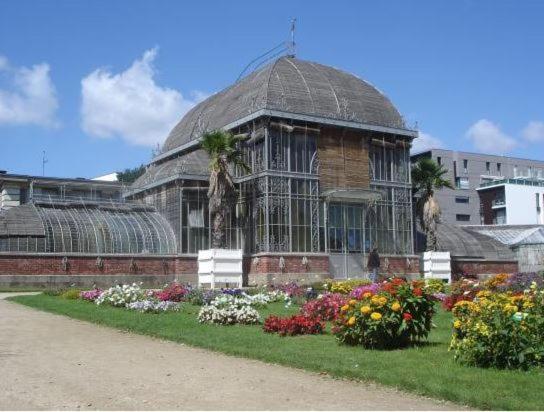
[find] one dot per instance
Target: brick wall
(477, 267)
(85, 270)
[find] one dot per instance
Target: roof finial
(292, 49)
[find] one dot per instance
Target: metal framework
(280, 206)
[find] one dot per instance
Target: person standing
(373, 264)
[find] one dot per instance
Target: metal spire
(292, 45)
(44, 161)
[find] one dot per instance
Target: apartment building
(467, 172)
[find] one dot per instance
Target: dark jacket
(373, 260)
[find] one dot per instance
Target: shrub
(151, 306)
(174, 292)
(121, 295)
(397, 315)
(90, 295)
(228, 310)
(293, 325)
(70, 294)
(325, 307)
(346, 286)
(501, 330)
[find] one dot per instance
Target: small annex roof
(193, 164)
(513, 235)
(462, 242)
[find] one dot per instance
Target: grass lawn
(427, 370)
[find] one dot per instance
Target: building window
(499, 169)
(462, 199)
(487, 167)
(439, 160)
(462, 183)
(465, 165)
(537, 197)
(462, 218)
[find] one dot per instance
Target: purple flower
(358, 292)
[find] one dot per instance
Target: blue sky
(98, 83)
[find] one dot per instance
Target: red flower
(407, 317)
(294, 325)
(418, 292)
(398, 281)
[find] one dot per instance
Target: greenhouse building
(329, 156)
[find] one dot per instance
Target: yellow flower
(382, 300)
(351, 321)
(366, 295)
(376, 316)
(395, 307)
(457, 324)
(352, 302)
(344, 308)
(510, 308)
(365, 309)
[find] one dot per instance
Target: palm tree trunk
(218, 230)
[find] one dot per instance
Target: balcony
(496, 203)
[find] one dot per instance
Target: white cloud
(534, 132)
(487, 137)
(131, 105)
(425, 142)
(31, 97)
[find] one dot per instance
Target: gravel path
(53, 362)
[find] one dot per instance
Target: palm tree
(427, 176)
(222, 149)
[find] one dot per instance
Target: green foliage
(428, 176)
(70, 294)
(222, 146)
(128, 176)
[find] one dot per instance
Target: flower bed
(228, 310)
(324, 307)
(502, 330)
(173, 292)
(152, 306)
(397, 315)
(90, 295)
(293, 325)
(345, 286)
(121, 295)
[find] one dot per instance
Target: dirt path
(52, 362)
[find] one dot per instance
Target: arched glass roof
(87, 228)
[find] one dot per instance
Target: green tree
(222, 148)
(128, 176)
(427, 176)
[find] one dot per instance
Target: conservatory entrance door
(348, 239)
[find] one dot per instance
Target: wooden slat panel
(343, 159)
